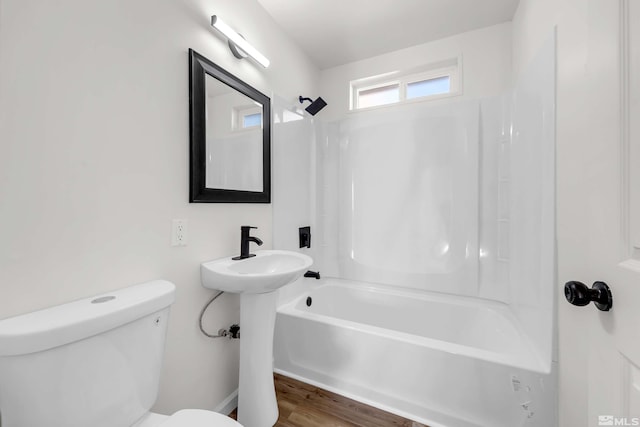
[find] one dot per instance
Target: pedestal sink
(256, 279)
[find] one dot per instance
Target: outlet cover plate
(179, 228)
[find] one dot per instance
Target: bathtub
(436, 359)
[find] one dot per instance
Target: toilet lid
(199, 418)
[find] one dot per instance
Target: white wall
(532, 24)
(94, 163)
(486, 66)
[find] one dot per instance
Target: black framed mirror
(230, 137)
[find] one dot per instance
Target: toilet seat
(199, 418)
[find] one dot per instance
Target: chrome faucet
(245, 238)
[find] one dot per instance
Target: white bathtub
(436, 359)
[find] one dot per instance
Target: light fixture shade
(239, 41)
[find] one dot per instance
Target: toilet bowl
(92, 362)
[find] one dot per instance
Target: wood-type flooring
(304, 405)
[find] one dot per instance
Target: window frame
(450, 68)
(387, 83)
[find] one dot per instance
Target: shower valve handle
(577, 293)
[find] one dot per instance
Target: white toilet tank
(90, 363)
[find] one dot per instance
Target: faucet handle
(247, 227)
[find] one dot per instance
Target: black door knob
(577, 293)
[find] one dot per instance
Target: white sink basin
(265, 272)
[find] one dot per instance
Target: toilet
(92, 363)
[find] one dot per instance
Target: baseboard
(228, 404)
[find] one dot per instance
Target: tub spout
(315, 274)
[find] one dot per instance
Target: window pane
(428, 87)
(378, 96)
(251, 120)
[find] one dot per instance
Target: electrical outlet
(179, 232)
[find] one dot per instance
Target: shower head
(315, 106)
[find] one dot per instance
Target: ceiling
(335, 32)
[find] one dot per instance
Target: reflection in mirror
(230, 137)
(234, 138)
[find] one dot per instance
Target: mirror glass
(230, 137)
(234, 138)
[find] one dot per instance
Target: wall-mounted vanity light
(238, 45)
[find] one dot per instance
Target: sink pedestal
(256, 279)
(257, 406)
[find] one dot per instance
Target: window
(432, 81)
(429, 87)
(246, 117)
(251, 120)
(381, 95)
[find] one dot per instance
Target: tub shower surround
(436, 225)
